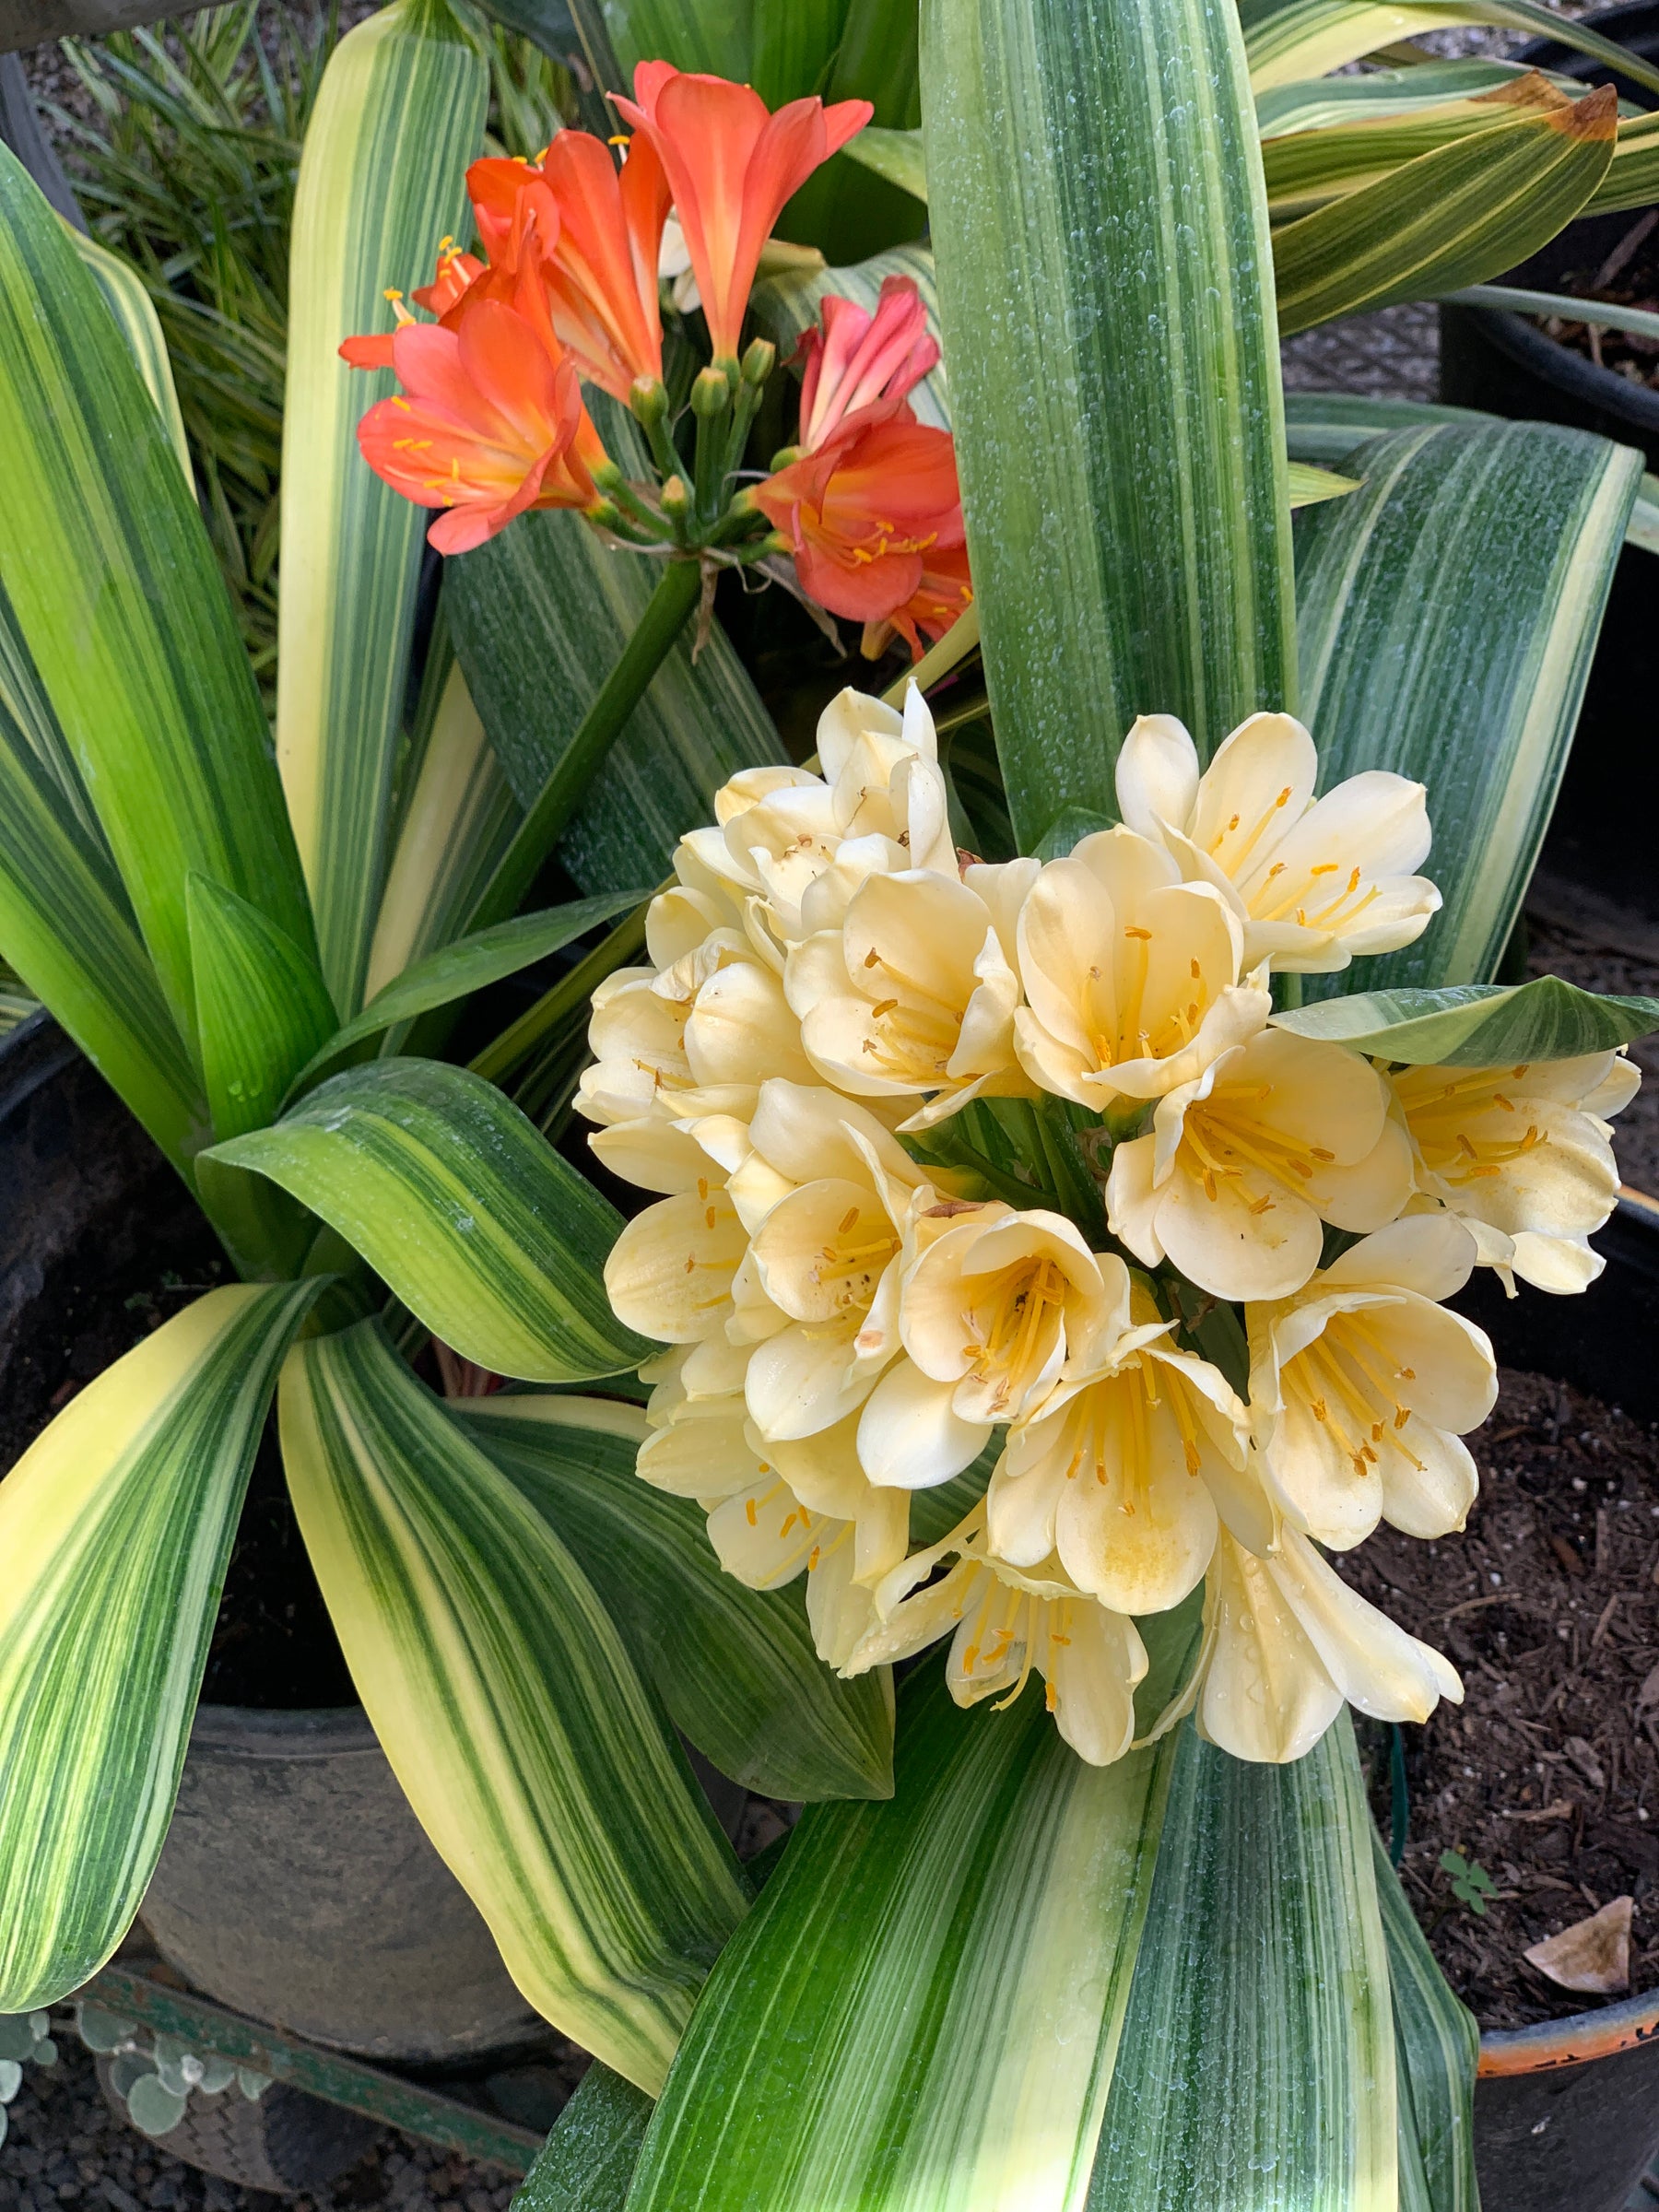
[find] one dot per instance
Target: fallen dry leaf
(1648, 1692)
(1592, 1955)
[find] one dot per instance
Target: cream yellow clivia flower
(791, 847)
(1363, 1386)
(827, 1253)
(985, 1312)
(1005, 1624)
(915, 993)
(1243, 1165)
(1131, 976)
(1523, 1155)
(1285, 1642)
(1313, 881)
(1114, 1472)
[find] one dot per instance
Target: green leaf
(1515, 299)
(114, 590)
(115, 1527)
(1477, 1025)
(1290, 39)
(587, 2161)
(693, 34)
(921, 2011)
(846, 209)
(895, 155)
(399, 116)
(735, 1666)
(1448, 610)
(1436, 2045)
(135, 317)
(463, 1207)
(1256, 2068)
(1448, 218)
(1108, 312)
(457, 822)
(1331, 426)
(506, 1701)
(541, 615)
(261, 1007)
(466, 965)
(66, 925)
(1310, 486)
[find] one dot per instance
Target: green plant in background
(186, 167)
(985, 1971)
(1471, 1884)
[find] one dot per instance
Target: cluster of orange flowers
(490, 421)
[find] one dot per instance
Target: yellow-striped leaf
(116, 1528)
(457, 970)
(1448, 610)
(1449, 217)
(1436, 2045)
(261, 1007)
(1106, 286)
(921, 2013)
(1477, 1025)
(735, 1668)
(66, 925)
(505, 1700)
(135, 317)
(456, 822)
(1257, 2062)
(113, 588)
(1291, 38)
(399, 116)
(463, 1207)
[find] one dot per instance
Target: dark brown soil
(1555, 949)
(273, 1645)
(1548, 1776)
(1628, 277)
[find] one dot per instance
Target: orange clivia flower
(595, 234)
(857, 362)
(491, 421)
(455, 275)
(731, 165)
(871, 508)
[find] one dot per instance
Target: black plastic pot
(1599, 840)
(1567, 2114)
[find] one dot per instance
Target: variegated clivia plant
(1066, 1107)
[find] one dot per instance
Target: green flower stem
(504, 1055)
(665, 615)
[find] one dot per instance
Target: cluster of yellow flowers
(849, 1326)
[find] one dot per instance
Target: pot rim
(253, 1732)
(1573, 2041)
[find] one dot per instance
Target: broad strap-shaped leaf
(920, 2012)
(1448, 610)
(456, 822)
(1290, 39)
(787, 305)
(735, 1668)
(262, 1010)
(463, 1207)
(1256, 2068)
(1436, 2045)
(540, 617)
(135, 317)
(896, 154)
(718, 41)
(114, 589)
(1323, 427)
(115, 1528)
(505, 1699)
(400, 114)
(1320, 103)
(588, 2160)
(1449, 217)
(1106, 286)
(66, 925)
(458, 970)
(1478, 1025)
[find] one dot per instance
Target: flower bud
(759, 361)
(710, 394)
(649, 400)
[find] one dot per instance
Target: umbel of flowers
(961, 1162)
(862, 516)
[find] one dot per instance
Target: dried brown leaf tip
(1592, 1955)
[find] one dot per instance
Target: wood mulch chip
(1548, 1775)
